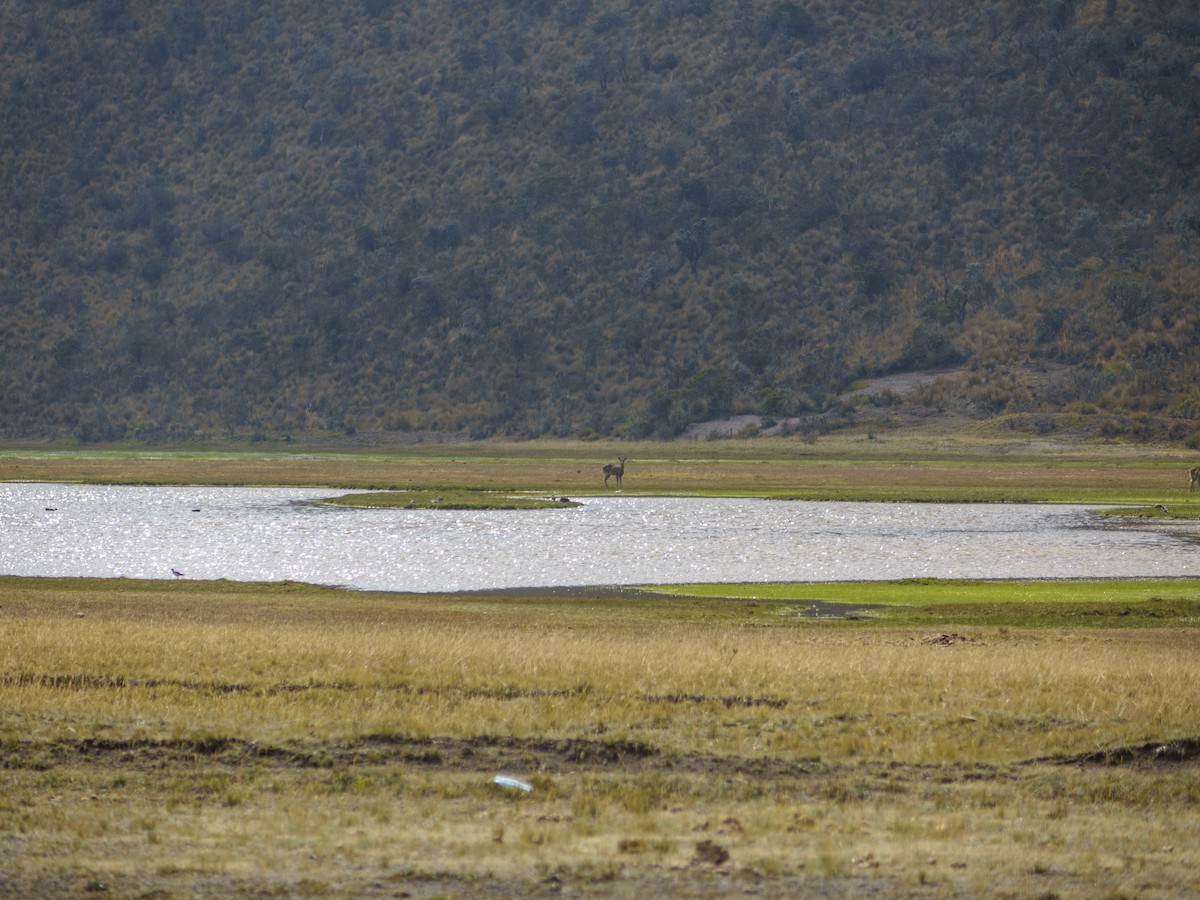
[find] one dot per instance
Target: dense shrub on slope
(605, 217)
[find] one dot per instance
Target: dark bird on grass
(176, 573)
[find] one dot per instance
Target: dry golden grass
(238, 738)
(878, 694)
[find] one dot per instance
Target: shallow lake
(271, 534)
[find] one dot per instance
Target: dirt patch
(902, 384)
(730, 427)
(1153, 753)
(949, 640)
(710, 853)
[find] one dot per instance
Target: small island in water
(448, 499)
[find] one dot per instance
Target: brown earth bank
(490, 754)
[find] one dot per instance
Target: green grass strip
(924, 592)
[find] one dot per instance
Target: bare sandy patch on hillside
(900, 384)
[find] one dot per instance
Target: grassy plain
(939, 468)
(949, 739)
(217, 738)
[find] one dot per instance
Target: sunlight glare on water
(271, 534)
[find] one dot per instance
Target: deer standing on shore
(614, 471)
(1194, 472)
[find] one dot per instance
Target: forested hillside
(594, 217)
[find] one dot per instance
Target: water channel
(275, 534)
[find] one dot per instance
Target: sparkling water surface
(273, 534)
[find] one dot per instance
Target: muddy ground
(487, 754)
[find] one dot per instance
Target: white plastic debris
(506, 781)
